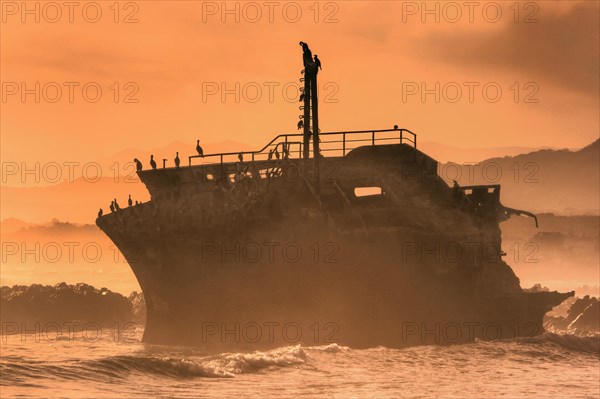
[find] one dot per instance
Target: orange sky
(372, 53)
(171, 55)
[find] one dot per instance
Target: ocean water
(547, 366)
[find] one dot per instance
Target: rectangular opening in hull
(367, 191)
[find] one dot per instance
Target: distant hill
(448, 153)
(11, 225)
(560, 181)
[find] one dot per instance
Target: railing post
(373, 138)
(343, 144)
(401, 135)
(415, 140)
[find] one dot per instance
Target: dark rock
(63, 303)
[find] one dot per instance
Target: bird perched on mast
(306, 53)
(318, 62)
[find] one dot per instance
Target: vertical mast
(307, 95)
(315, 120)
(311, 104)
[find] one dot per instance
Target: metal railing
(290, 146)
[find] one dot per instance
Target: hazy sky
(511, 75)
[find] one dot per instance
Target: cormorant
(395, 127)
(177, 160)
(199, 149)
(152, 162)
(138, 164)
(270, 155)
(100, 213)
(318, 62)
(241, 157)
(306, 53)
(117, 207)
(276, 153)
(301, 97)
(129, 201)
(112, 206)
(300, 124)
(286, 151)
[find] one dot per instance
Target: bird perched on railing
(318, 62)
(301, 97)
(138, 164)
(152, 162)
(241, 157)
(177, 160)
(300, 124)
(199, 149)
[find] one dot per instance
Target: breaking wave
(570, 342)
(225, 365)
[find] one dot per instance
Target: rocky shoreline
(63, 303)
(82, 303)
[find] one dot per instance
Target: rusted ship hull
(267, 258)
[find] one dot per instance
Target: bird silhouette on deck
(177, 160)
(199, 149)
(100, 212)
(241, 157)
(117, 207)
(318, 62)
(138, 164)
(300, 124)
(301, 97)
(130, 201)
(286, 151)
(152, 162)
(112, 206)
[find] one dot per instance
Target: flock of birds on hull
(114, 205)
